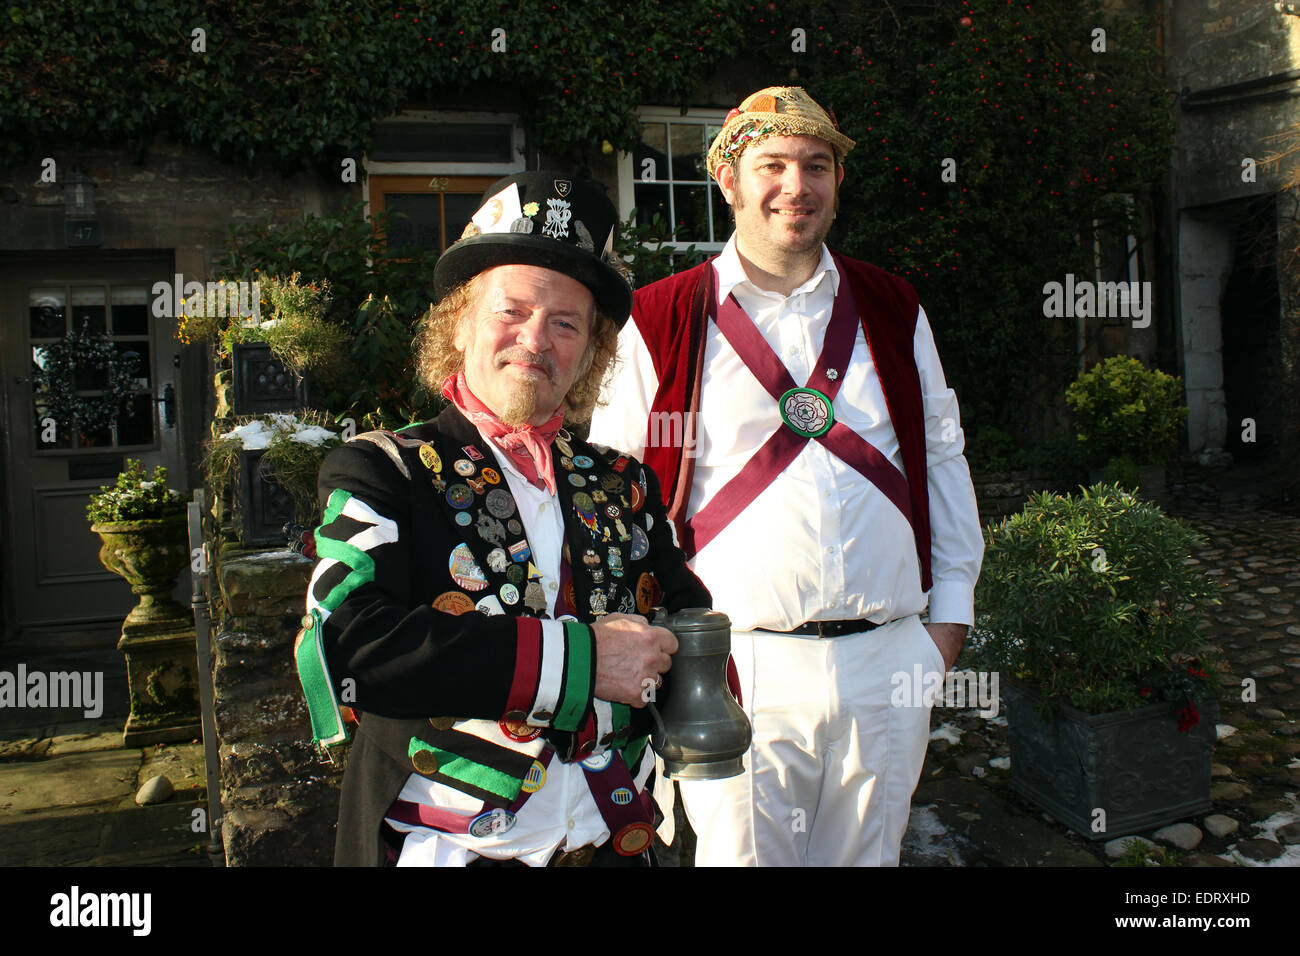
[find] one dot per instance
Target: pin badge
(459, 496)
(464, 570)
(472, 452)
(430, 458)
(492, 823)
(535, 779)
(500, 503)
(583, 461)
(464, 467)
(491, 476)
(640, 543)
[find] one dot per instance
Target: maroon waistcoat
(672, 315)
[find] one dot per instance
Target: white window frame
(627, 174)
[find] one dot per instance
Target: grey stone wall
(279, 799)
(1003, 493)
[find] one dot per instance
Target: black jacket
(404, 644)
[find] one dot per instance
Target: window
(1116, 259)
(665, 175)
(120, 312)
(428, 170)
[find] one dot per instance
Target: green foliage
(1088, 597)
(1121, 408)
(377, 297)
(642, 244)
(63, 363)
(297, 331)
(299, 84)
(1137, 853)
(1046, 136)
(135, 497)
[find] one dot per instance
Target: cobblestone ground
(964, 812)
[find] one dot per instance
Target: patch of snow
(948, 732)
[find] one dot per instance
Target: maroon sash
(785, 444)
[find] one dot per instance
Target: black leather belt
(829, 628)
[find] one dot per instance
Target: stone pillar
(279, 798)
(1205, 259)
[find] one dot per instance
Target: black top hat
(549, 219)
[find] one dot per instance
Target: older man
(483, 577)
(793, 404)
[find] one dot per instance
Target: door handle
(168, 402)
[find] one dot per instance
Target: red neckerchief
(528, 446)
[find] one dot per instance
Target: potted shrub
(1088, 611)
(1128, 418)
(271, 357)
(142, 525)
(271, 462)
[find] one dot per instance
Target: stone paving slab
(70, 780)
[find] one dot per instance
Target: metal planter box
(264, 507)
(1137, 767)
(261, 382)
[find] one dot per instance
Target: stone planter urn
(1137, 768)
(158, 634)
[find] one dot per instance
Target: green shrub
(135, 498)
(1121, 408)
(1089, 599)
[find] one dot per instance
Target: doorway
(52, 578)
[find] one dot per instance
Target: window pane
(692, 214)
(130, 311)
(137, 428)
(650, 157)
(459, 208)
(101, 438)
(651, 201)
(140, 352)
(88, 309)
(722, 224)
(45, 310)
(397, 142)
(48, 434)
(689, 149)
(413, 220)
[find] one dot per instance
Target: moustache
(520, 354)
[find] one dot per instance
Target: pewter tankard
(700, 731)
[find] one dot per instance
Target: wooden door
(52, 574)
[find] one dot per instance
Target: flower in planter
(135, 497)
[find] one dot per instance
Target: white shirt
(821, 542)
(562, 814)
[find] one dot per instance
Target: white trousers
(829, 778)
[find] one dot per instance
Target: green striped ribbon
(327, 727)
(471, 772)
(577, 679)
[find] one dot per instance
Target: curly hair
(436, 355)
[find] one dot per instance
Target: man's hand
(629, 652)
(948, 638)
